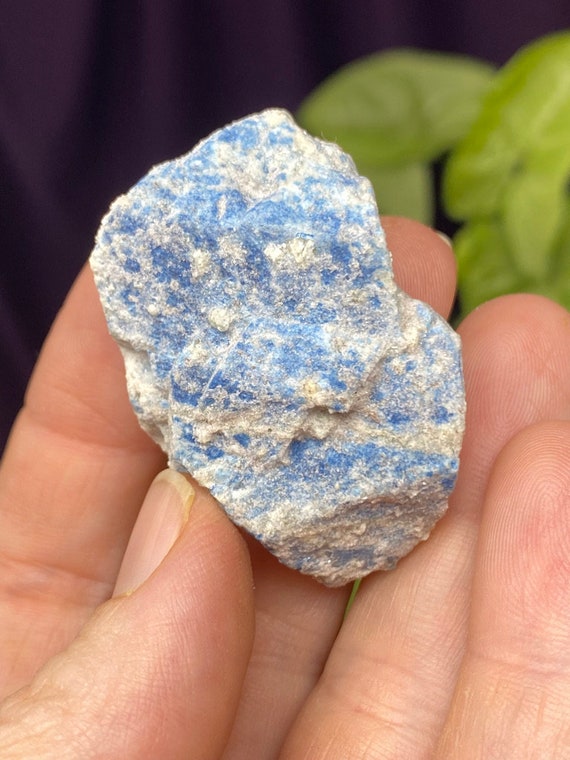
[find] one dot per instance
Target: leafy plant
(508, 179)
(504, 138)
(396, 113)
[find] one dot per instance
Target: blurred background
(92, 93)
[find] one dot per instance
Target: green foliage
(510, 175)
(402, 190)
(396, 112)
(508, 140)
(352, 597)
(482, 277)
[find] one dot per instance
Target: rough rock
(270, 353)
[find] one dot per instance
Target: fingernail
(445, 238)
(163, 515)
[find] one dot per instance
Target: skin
(462, 651)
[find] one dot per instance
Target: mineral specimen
(269, 352)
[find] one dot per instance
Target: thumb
(157, 671)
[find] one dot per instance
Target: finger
(156, 673)
(73, 477)
(406, 632)
(297, 619)
(296, 622)
(424, 264)
(513, 693)
(517, 368)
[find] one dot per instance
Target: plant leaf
(398, 107)
(485, 269)
(403, 190)
(559, 287)
(533, 211)
(523, 125)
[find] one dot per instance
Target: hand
(150, 652)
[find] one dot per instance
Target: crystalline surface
(270, 353)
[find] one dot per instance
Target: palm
(462, 649)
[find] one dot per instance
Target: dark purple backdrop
(92, 93)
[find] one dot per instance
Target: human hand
(460, 652)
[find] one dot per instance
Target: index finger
(73, 477)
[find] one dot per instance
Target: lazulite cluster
(270, 353)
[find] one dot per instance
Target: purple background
(92, 93)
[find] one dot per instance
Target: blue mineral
(269, 352)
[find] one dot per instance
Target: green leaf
(559, 286)
(484, 267)
(398, 107)
(352, 597)
(533, 211)
(523, 126)
(561, 290)
(403, 190)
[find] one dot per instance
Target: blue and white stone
(270, 353)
